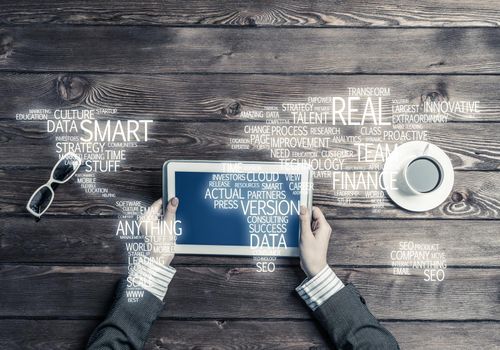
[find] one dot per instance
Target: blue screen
(240, 209)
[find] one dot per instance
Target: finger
(154, 209)
(315, 225)
(173, 203)
(323, 228)
(317, 215)
(305, 223)
(152, 212)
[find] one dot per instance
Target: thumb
(305, 222)
(171, 209)
(172, 205)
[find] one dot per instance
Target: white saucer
(395, 164)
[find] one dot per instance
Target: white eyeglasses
(64, 170)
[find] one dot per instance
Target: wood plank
(221, 292)
(256, 13)
(250, 50)
(236, 334)
(213, 334)
(474, 196)
(456, 335)
(471, 146)
(354, 242)
(219, 97)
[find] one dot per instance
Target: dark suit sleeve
(127, 324)
(351, 325)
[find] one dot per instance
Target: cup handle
(426, 149)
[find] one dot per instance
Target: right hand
(314, 239)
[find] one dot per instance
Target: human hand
(314, 239)
(159, 231)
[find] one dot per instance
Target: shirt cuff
(315, 291)
(152, 276)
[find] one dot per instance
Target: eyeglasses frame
(51, 181)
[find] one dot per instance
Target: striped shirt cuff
(320, 288)
(152, 276)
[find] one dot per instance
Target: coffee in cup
(423, 174)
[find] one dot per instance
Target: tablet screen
(257, 210)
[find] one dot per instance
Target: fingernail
(175, 201)
(303, 210)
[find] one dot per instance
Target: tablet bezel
(171, 166)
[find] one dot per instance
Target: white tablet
(238, 208)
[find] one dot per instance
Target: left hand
(162, 238)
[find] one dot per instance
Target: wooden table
(193, 67)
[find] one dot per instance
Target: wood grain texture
(153, 49)
(172, 61)
(471, 146)
(229, 292)
(474, 196)
(242, 334)
(222, 97)
(354, 242)
(255, 13)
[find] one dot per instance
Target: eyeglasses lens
(41, 200)
(65, 169)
